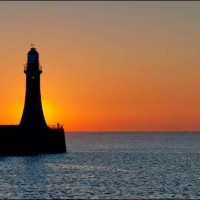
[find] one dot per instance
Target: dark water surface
(108, 166)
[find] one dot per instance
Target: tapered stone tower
(33, 113)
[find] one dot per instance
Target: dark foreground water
(108, 166)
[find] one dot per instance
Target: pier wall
(17, 140)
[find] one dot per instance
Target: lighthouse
(32, 135)
(33, 116)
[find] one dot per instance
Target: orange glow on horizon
(50, 112)
(132, 66)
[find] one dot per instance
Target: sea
(111, 165)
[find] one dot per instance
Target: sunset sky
(107, 66)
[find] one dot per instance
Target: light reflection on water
(122, 166)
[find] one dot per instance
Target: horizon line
(170, 131)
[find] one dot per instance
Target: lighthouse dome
(33, 51)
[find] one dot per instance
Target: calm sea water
(108, 166)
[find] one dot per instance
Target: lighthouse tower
(32, 135)
(33, 116)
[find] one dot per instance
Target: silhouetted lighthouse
(32, 135)
(33, 114)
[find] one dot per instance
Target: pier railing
(57, 126)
